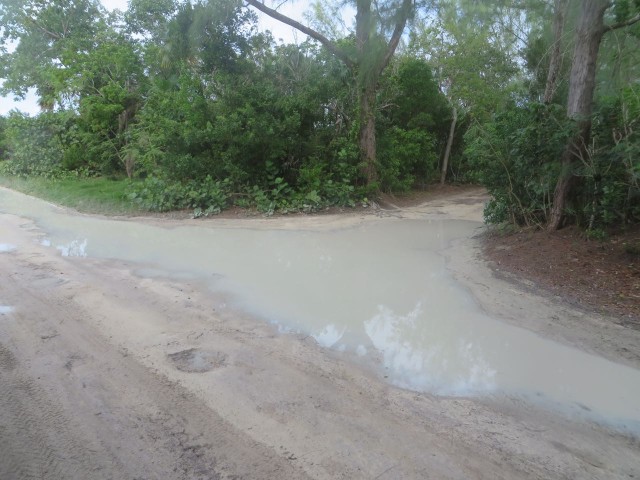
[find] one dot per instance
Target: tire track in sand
(28, 417)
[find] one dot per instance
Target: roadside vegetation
(185, 105)
(84, 194)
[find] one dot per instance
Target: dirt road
(106, 375)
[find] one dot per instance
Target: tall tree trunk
(367, 137)
(366, 92)
(582, 82)
(559, 13)
(447, 151)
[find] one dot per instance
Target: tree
(413, 119)
(49, 37)
(447, 151)
(582, 83)
(555, 63)
(371, 56)
(471, 47)
(110, 86)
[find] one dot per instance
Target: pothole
(194, 360)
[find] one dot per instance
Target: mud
(197, 361)
(98, 324)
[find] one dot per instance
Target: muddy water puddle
(380, 291)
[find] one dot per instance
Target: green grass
(88, 195)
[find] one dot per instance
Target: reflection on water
(75, 248)
(380, 291)
(6, 247)
(329, 336)
(420, 358)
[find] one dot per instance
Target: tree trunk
(367, 137)
(559, 12)
(582, 82)
(561, 193)
(447, 151)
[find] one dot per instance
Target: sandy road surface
(107, 375)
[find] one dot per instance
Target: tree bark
(447, 151)
(582, 82)
(559, 13)
(367, 137)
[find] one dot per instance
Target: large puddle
(380, 290)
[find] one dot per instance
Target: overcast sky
(294, 9)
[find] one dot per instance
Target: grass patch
(88, 195)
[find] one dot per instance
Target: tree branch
(328, 44)
(395, 37)
(53, 35)
(626, 23)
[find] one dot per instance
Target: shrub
(160, 194)
(516, 156)
(34, 144)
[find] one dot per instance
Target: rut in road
(35, 440)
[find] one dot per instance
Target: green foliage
(3, 138)
(211, 196)
(48, 38)
(414, 126)
(406, 157)
(473, 46)
(203, 113)
(333, 185)
(91, 195)
(596, 234)
(609, 192)
(418, 102)
(265, 124)
(516, 157)
(34, 144)
(74, 158)
(316, 189)
(162, 194)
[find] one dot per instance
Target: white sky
(293, 8)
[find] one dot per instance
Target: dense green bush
(609, 192)
(3, 138)
(34, 144)
(161, 194)
(406, 157)
(413, 126)
(516, 156)
(316, 190)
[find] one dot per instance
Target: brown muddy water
(380, 291)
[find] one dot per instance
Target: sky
(293, 8)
